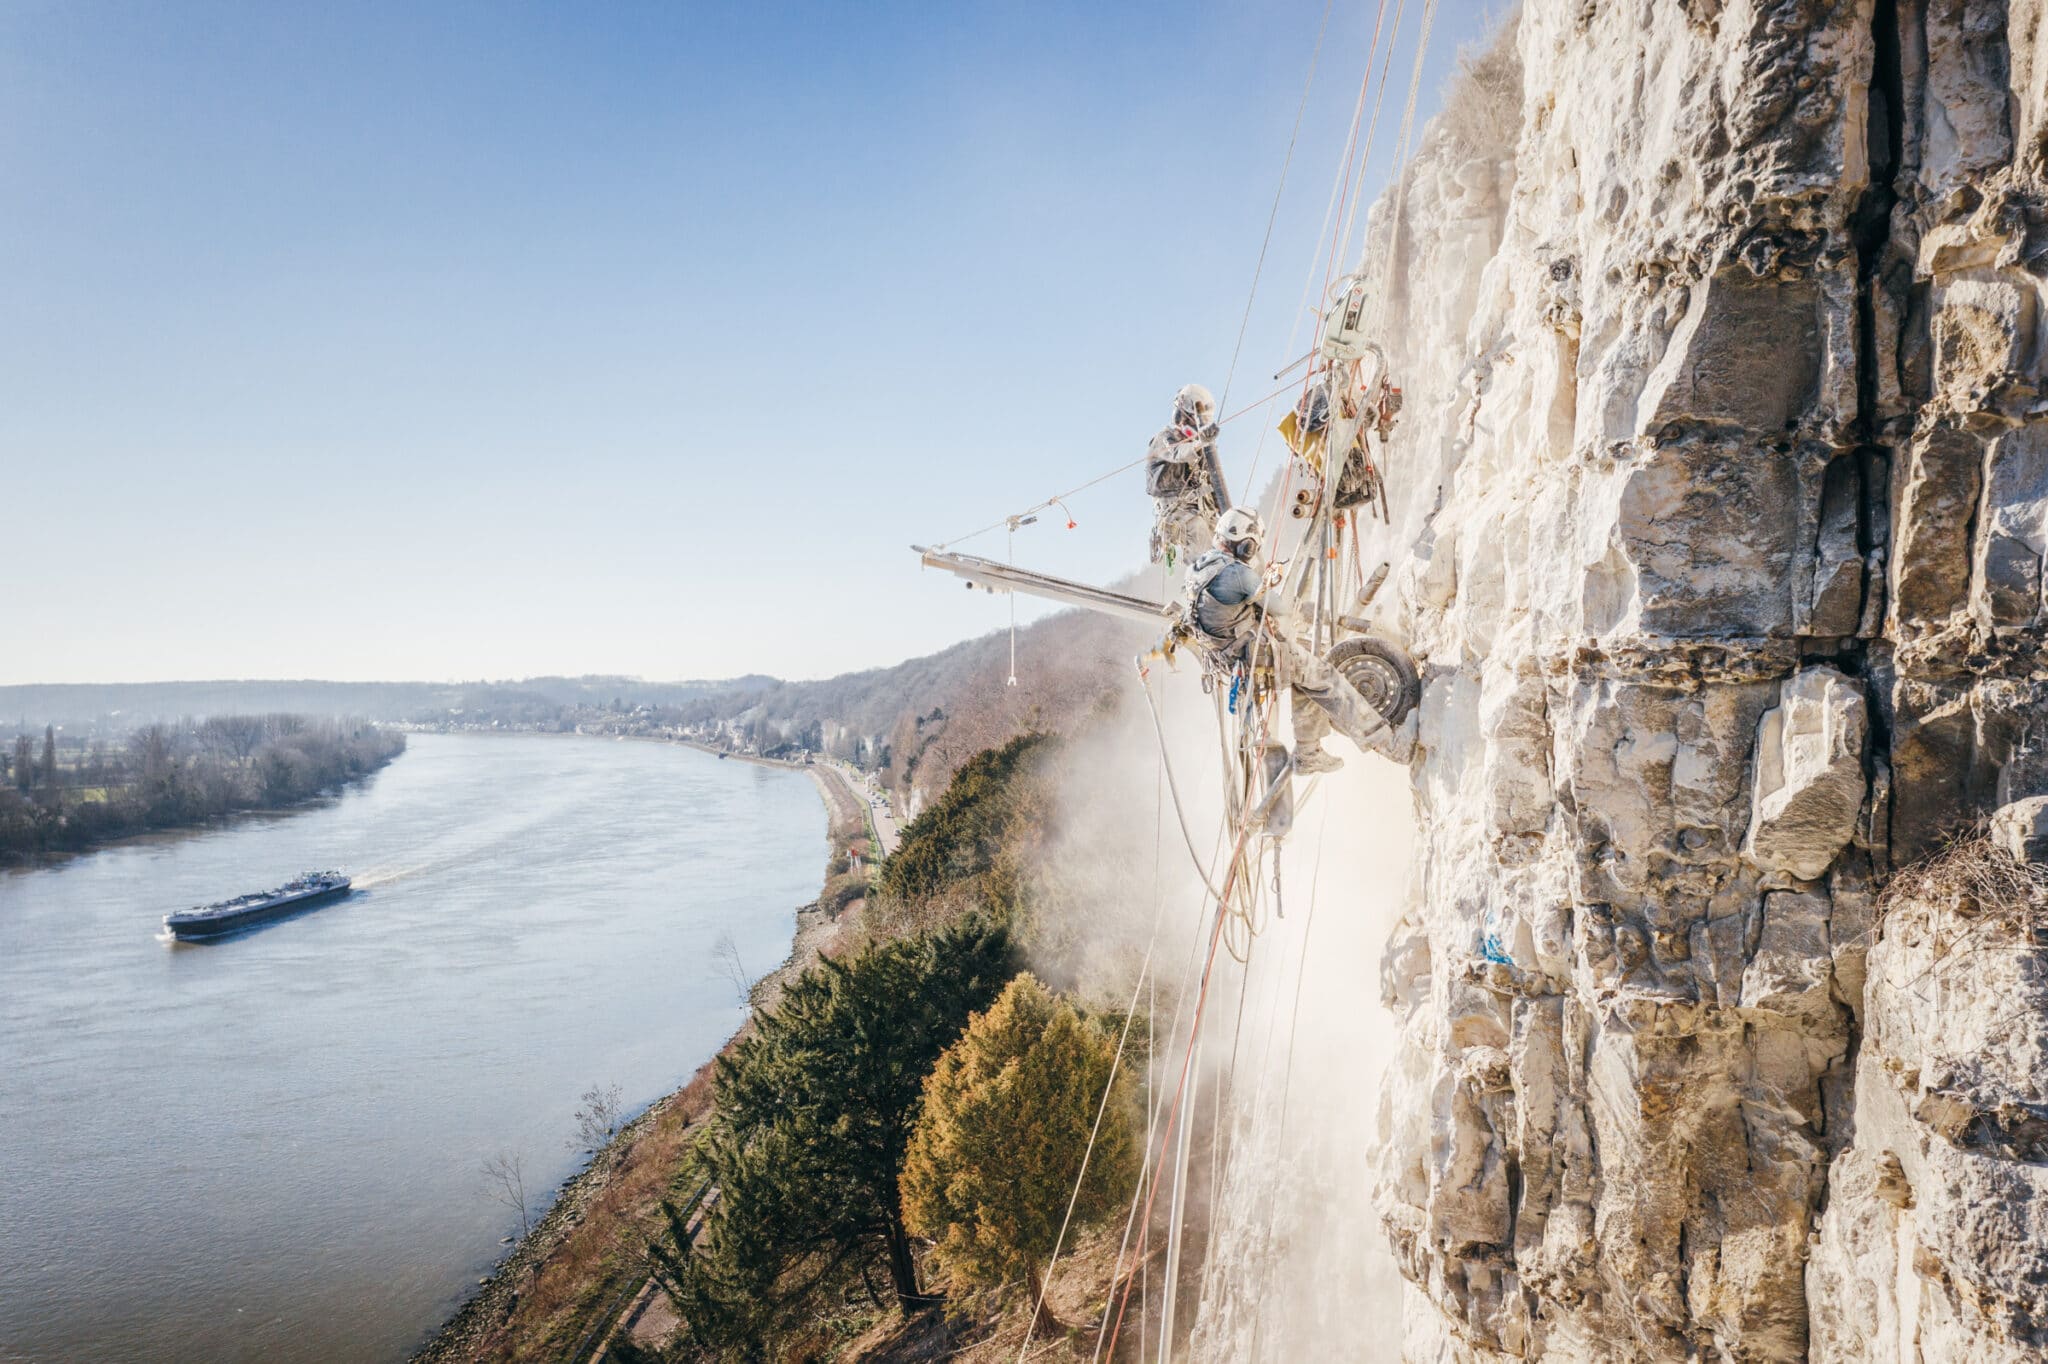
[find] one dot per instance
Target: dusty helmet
(1238, 525)
(1194, 406)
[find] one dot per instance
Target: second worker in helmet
(1230, 616)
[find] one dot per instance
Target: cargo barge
(246, 911)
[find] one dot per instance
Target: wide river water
(271, 1147)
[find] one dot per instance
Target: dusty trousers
(1185, 524)
(1323, 700)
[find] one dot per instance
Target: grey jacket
(1223, 596)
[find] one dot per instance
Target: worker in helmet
(1184, 476)
(1229, 614)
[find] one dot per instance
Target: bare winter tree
(505, 1183)
(234, 735)
(597, 1122)
(726, 953)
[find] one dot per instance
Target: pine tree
(815, 1110)
(49, 755)
(1003, 1135)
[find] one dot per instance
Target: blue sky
(486, 340)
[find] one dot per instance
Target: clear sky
(486, 340)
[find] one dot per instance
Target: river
(270, 1147)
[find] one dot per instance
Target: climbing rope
(1372, 132)
(1293, 1023)
(1273, 215)
(1401, 172)
(1173, 1108)
(1179, 814)
(1329, 213)
(1171, 1114)
(1116, 1060)
(1148, 1173)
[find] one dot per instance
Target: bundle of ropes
(1237, 900)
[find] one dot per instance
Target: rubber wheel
(1382, 674)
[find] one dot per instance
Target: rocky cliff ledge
(1722, 506)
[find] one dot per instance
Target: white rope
(1274, 216)
(1179, 814)
(1293, 1023)
(1109, 1086)
(1372, 129)
(1147, 1172)
(1013, 608)
(1401, 167)
(1177, 1211)
(1329, 212)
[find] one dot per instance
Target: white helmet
(1238, 525)
(1194, 406)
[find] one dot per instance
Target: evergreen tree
(815, 1109)
(49, 755)
(24, 762)
(1003, 1134)
(967, 846)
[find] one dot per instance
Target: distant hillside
(918, 721)
(915, 722)
(127, 704)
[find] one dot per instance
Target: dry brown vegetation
(1973, 877)
(1482, 108)
(585, 1255)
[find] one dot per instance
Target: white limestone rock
(1809, 781)
(1934, 1245)
(2020, 829)
(1689, 400)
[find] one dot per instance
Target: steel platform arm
(991, 576)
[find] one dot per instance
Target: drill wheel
(1382, 674)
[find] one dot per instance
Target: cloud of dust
(1298, 1267)
(1284, 1258)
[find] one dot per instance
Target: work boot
(1309, 761)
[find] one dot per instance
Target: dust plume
(1298, 1267)
(1282, 1256)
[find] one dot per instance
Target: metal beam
(991, 576)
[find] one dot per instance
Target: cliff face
(1722, 500)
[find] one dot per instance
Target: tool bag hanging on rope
(1350, 401)
(1306, 430)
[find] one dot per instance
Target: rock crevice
(1720, 522)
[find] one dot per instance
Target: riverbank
(580, 1273)
(186, 778)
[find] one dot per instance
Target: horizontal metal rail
(991, 576)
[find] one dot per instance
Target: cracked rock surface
(1721, 503)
